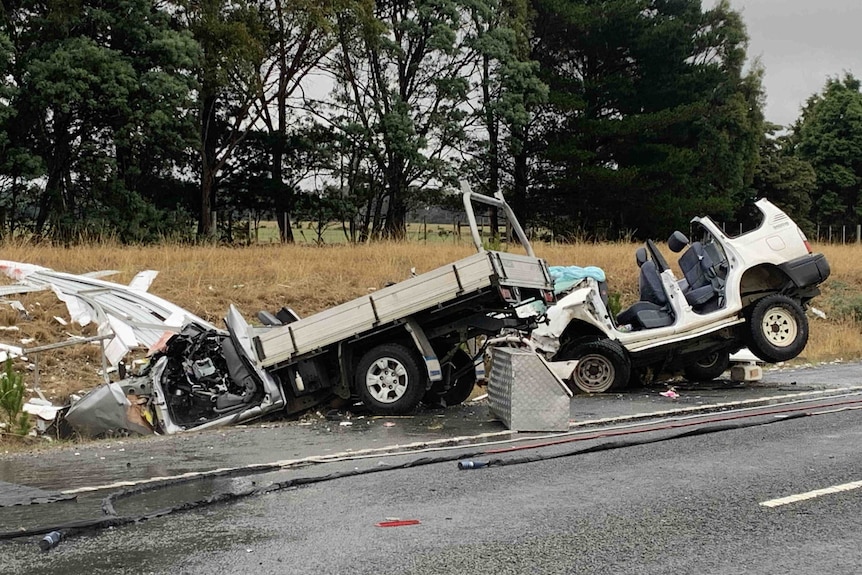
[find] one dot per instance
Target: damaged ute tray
(467, 276)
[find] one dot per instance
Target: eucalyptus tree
(829, 136)
(651, 115)
(301, 34)
(509, 90)
(233, 40)
(401, 82)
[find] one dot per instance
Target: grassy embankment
(206, 279)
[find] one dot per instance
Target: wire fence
(824, 234)
(843, 234)
(457, 231)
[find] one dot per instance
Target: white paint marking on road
(811, 494)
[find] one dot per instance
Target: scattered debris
(50, 540)
(469, 464)
(44, 411)
(398, 523)
(670, 393)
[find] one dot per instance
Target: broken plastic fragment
(398, 523)
(670, 394)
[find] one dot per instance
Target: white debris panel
(133, 316)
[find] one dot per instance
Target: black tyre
(459, 378)
(708, 367)
(389, 380)
(603, 365)
(777, 329)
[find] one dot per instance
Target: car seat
(703, 288)
(652, 310)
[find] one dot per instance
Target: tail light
(548, 296)
(506, 294)
(805, 241)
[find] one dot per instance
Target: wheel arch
(762, 280)
(579, 330)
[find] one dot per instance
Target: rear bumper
(807, 271)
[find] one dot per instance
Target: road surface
(708, 503)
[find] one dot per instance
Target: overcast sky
(801, 43)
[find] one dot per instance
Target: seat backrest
(703, 286)
(649, 282)
(696, 264)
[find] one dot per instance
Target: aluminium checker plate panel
(525, 394)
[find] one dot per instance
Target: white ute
(745, 291)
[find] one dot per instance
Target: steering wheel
(655, 255)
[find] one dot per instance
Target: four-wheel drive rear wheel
(602, 365)
(459, 378)
(777, 329)
(389, 379)
(708, 367)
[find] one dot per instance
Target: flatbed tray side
(398, 301)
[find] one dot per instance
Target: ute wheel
(453, 389)
(708, 367)
(389, 380)
(602, 365)
(777, 329)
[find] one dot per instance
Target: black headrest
(677, 242)
(640, 256)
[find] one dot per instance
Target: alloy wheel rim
(386, 380)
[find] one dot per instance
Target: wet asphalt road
(465, 515)
(689, 505)
(105, 461)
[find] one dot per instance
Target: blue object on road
(50, 540)
(469, 464)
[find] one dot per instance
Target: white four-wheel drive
(751, 291)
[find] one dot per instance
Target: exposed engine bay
(203, 376)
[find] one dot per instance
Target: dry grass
(205, 279)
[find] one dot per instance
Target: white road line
(811, 494)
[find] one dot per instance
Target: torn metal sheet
(108, 410)
(43, 412)
(198, 378)
(21, 288)
(92, 299)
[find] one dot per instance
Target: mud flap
(432, 364)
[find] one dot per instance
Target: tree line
(138, 119)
